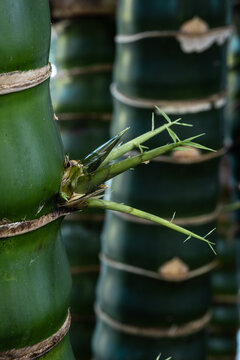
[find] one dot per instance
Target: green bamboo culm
(35, 279)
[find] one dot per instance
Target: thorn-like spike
(188, 238)
(173, 217)
(94, 160)
(153, 121)
(210, 232)
(166, 117)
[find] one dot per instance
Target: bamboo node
(84, 70)
(10, 229)
(190, 154)
(176, 107)
(177, 271)
(38, 350)
(17, 81)
(195, 36)
(194, 26)
(173, 331)
(174, 269)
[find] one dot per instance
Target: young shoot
(83, 181)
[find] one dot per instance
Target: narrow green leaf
(166, 117)
(181, 148)
(195, 137)
(188, 238)
(172, 134)
(141, 148)
(173, 217)
(94, 160)
(184, 124)
(198, 146)
(153, 122)
(210, 232)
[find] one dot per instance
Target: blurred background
(138, 290)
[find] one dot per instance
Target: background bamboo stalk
(225, 323)
(151, 69)
(82, 51)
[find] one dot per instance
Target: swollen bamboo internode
(35, 278)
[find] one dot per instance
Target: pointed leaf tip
(94, 160)
(166, 117)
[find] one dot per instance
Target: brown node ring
(37, 350)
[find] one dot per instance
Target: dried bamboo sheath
(34, 272)
(179, 63)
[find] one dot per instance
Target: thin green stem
(90, 182)
(133, 144)
(109, 205)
